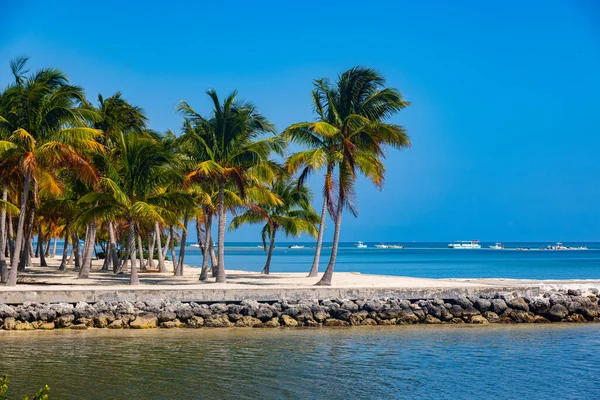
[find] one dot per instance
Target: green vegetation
(41, 394)
(70, 169)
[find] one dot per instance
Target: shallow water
(424, 362)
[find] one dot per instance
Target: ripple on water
(394, 362)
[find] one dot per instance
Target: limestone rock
(80, 327)
(85, 321)
(576, 318)
(7, 311)
(144, 321)
(264, 312)
(195, 322)
(84, 310)
(64, 321)
(491, 316)
(201, 310)
(369, 321)
(272, 323)
(478, 319)
(518, 303)
(430, 319)
(464, 302)
(249, 322)
(46, 326)
(176, 323)
(117, 324)
(482, 304)
(165, 316)
(23, 326)
(457, 321)
(538, 319)
(218, 308)
(286, 320)
(184, 312)
(335, 322)
(218, 321)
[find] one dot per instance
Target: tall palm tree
(48, 120)
(229, 142)
(293, 216)
(352, 115)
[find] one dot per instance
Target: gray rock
(518, 303)
(482, 304)
(341, 314)
(373, 305)
(64, 321)
(491, 316)
(7, 311)
(165, 316)
(124, 307)
(574, 292)
(470, 312)
(464, 302)
(498, 306)
(62, 308)
(457, 311)
(250, 307)
(558, 298)
(47, 313)
(349, 305)
(201, 310)
(84, 310)
(218, 308)
(264, 312)
(506, 296)
(154, 305)
(184, 312)
(557, 312)
(539, 305)
(321, 315)
(435, 311)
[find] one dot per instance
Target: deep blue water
(428, 260)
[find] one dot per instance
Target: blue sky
(504, 118)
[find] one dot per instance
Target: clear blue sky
(505, 119)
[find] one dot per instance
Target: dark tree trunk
(90, 244)
(173, 255)
(63, 261)
(3, 263)
(326, 279)
(267, 267)
(112, 247)
(151, 241)
(14, 262)
(76, 250)
(167, 244)
(315, 266)
(141, 251)
(43, 262)
(213, 256)
(179, 269)
(48, 242)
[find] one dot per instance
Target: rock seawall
(503, 307)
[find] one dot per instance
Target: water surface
(509, 362)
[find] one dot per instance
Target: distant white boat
(497, 246)
(395, 246)
(295, 246)
(560, 246)
(465, 244)
(194, 245)
(360, 245)
(382, 246)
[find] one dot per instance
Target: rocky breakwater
(554, 306)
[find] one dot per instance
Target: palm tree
(294, 215)
(229, 147)
(352, 117)
(48, 120)
(135, 191)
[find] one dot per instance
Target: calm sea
(470, 362)
(428, 260)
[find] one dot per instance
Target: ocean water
(421, 362)
(427, 260)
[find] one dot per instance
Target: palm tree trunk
(28, 243)
(315, 266)
(326, 279)
(141, 251)
(43, 262)
(151, 240)
(221, 235)
(134, 280)
(173, 255)
(11, 237)
(48, 243)
(112, 247)
(179, 269)
(63, 261)
(213, 257)
(167, 244)
(76, 250)
(267, 267)
(207, 246)
(161, 256)
(3, 263)
(90, 242)
(37, 246)
(54, 240)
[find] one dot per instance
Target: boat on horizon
(360, 245)
(295, 246)
(560, 246)
(497, 246)
(395, 246)
(382, 246)
(194, 245)
(465, 244)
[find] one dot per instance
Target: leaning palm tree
(352, 115)
(229, 144)
(293, 216)
(48, 120)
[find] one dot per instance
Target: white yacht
(360, 245)
(382, 246)
(497, 246)
(194, 245)
(465, 244)
(395, 246)
(295, 246)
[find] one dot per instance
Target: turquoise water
(428, 260)
(469, 362)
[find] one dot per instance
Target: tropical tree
(48, 119)
(352, 115)
(293, 216)
(228, 140)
